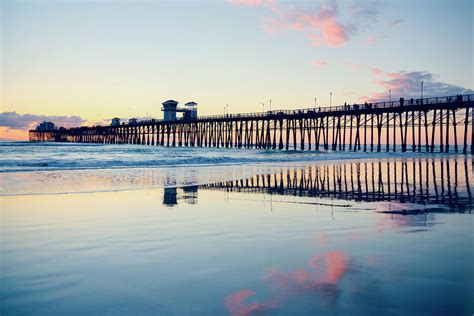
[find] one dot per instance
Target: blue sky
(100, 59)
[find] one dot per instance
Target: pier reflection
(188, 194)
(442, 181)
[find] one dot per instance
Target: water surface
(382, 235)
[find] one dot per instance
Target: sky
(84, 62)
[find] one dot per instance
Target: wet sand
(389, 237)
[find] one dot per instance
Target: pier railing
(428, 123)
(332, 109)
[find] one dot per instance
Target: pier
(440, 124)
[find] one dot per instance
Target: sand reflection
(237, 306)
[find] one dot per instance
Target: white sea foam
(27, 157)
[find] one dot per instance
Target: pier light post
(390, 95)
(330, 98)
(263, 106)
(315, 99)
(270, 105)
(421, 91)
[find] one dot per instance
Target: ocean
(29, 156)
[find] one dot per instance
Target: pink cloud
(377, 71)
(396, 75)
(320, 63)
(334, 33)
(321, 25)
(408, 85)
(324, 25)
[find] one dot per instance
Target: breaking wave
(27, 157)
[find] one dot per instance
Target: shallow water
(29, 156)
(384, 236)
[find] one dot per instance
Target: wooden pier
(440, 124)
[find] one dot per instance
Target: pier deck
(441, 123)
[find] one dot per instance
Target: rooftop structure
(170, 108)
(46, 126)
(115, 122)
(192, 110)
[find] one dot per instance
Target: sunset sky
(82, 62)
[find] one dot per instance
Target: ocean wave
(29, 157)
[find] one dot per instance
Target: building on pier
(170, 109)
(46, 126)
(191, 112)
(115, 122)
